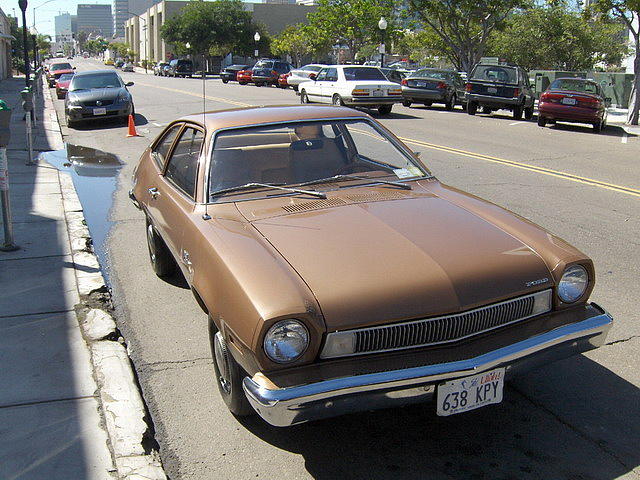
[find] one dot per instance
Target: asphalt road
(575, 419)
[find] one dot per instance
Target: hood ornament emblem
(98, 103)
(537, 282)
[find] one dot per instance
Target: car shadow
(582, 422)
(609, 130)
(108, 123)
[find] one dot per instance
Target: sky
(46, 10)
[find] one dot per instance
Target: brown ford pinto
(339, 275)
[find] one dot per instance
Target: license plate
(99, 111)
(421, 84)
(569, 101)
(492, 90)
(469, 393)
(378, 93)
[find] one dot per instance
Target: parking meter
(27, 99)
(5, 118)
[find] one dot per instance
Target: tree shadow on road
(581, 423)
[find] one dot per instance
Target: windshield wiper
(404, 186)
(248, 186)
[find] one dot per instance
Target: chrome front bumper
(329, 398)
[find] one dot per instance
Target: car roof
(253, 116)
(94, 72)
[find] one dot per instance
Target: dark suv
(266, 72)
(180, 68)
(500, 86)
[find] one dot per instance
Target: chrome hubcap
(222, 362)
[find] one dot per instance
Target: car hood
(96, 94)
(380, 255)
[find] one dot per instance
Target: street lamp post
(25, 45)
(256, 37)
(382, 25)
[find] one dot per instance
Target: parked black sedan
(97, 94)
(230, 72)
(432, 85)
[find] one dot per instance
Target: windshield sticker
(407, 172)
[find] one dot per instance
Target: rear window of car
(311, 68)
(363, 73)
(574, 85)
(264, 64)
(60, 66)
(437, 74)
(495, 73)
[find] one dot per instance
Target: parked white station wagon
(352, 85)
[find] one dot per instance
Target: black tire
(542, 122)
(229, 375)
(224, 80)
(517, 112)
(597, 127)
(486, 110)
(70, 123)
(385, 109)
(406, 103)
(528, 112)
(451, 103)
(427, 104)
(336, 101)
(303, 97)
(258, 84)
(159, 255)
(295, 88)
(242, 83)
(472, 108)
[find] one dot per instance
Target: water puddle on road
(94, 174)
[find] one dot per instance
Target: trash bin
(5, 119)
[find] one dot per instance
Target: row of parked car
(489, 87)
(179, 67)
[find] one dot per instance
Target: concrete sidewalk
(54, 391)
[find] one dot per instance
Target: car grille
(445, 329)
(92, 103)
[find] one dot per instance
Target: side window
(183, 164)
(322, 74)
(161, 150)
(332, 75)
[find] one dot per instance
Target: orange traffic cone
(132, 128)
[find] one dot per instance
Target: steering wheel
(353, 168)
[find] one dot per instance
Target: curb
(122, 405)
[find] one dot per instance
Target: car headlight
(286, 341)
(73, 102)
(123, 97)
(573, 283)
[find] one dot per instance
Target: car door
(181, 176)
(328, 86)
(314, 89)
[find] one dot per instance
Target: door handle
(153, 191)
(185, 257)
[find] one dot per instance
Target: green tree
(353, 23)
(214, 28)
(81, 38)
(628, 12)
(425, 47)
(299, 41)
(556, 36)
(463, 26)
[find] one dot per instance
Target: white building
(5, 46)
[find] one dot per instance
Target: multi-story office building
(96, 19)
(120, 15)
(64, 33)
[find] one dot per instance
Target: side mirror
(312, 76)
(128, 84)
(74, 68)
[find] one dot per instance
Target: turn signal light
(359, 91)
(441, 85)
(395, 91)
(468, 87)
(404, 82)
(516, 92)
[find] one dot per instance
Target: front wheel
(303, 97)
(517, 112)
(229, 374)
(242, 83)
(224, 80)
(542, 122)
(472, 108)
(258, 84)
(528, 112)
(451, 103)
(406, 103)
(385, 109)
(337, 100)
(597, 127)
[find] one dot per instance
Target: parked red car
(575, 100)
(244, 76)
(282, 80)
(62, 84)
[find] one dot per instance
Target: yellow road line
(198, 95)
(525, 166)
(479, 156)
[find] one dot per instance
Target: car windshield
(495, 73)
(363, 73)
(65, 77)
(300, 152)
(437, 74)
(311, 68)
(87, 82)
(264, 64)
(60, 66)
(574, 85)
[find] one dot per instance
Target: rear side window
(183, 164)
(162, 148)
(332, 75)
